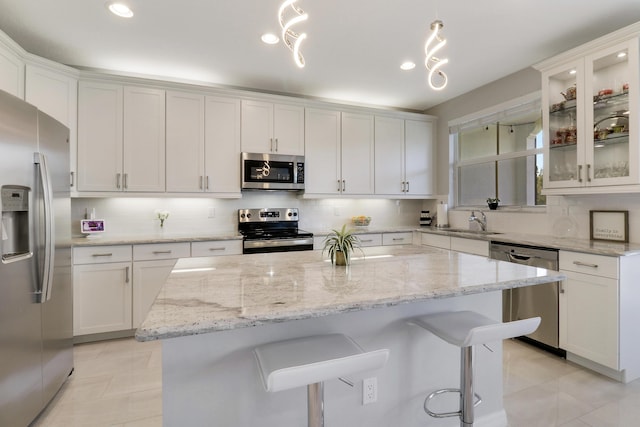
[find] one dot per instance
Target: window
(499, 155)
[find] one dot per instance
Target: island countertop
(203, 295)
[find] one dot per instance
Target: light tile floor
(119, 384)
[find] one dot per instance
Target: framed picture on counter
(612, 226)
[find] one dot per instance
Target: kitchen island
(212, 312)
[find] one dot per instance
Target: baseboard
(601, 369)
(81, 339)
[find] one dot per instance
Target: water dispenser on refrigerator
(15, 223)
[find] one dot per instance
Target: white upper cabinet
(11, 71)
(403, 157)
(144, 139)
(56, 93)
(100, 136)
(121, 138)
(222, 146)
(390, 156)
(590, 120)
(185, 142)
(322, 147)
(419, 171)
(272, 128)
(357, 154)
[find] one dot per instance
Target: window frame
(492, 116)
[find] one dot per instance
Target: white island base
(212, 379)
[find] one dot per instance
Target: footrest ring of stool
(447, 414)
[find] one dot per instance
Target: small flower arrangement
(162, 216)
(492, 202)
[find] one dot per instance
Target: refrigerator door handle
(49, 242)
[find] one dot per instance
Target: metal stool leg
(466, 387)
(315, 405)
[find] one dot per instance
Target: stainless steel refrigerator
(36, 324)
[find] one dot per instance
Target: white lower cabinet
(148, 279)
(470, 246)
(216, 247)
(589, 307)
(401, 238)
(115, 286)
(599, 314)
(458, 244)
(102, 283)
(152, 264)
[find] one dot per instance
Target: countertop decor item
(361, 221)
(162, 216)
(609, 225)
(339, 244)
(492, 202)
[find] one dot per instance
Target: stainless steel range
(272, 230)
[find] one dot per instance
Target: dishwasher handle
(515, 257)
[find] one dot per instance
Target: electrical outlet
(369, 390)
(212, 213)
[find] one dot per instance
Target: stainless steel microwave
(272, 172)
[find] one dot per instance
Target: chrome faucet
(483, 222)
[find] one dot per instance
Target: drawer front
(101, 254)
(403, 238)
(374, 239)
(437, 240)
(214, 248)
(155, 251)
(596, 265)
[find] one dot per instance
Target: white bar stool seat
(309, 361)
(465, 329)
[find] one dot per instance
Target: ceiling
(353, 49)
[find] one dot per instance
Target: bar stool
(466, 329)
(310, 361)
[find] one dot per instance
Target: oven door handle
(271, 243)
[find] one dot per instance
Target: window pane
(517, 137)
(476, 183)
(513, 181)
(479, 142)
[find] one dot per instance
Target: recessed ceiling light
(269, 38)
(572, 71)
(120, 9)
(407, 66)
(622, 54)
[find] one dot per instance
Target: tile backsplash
(563, 216)
(132, 216)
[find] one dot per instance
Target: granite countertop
(117, 239)
(554, 242)
(204, 295)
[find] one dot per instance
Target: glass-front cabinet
(590, 118)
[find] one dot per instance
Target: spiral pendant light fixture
(432, 62)
(289, 15)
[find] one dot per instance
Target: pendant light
(432, 62)
(290, 38)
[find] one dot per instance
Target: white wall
(136, 216)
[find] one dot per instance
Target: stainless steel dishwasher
(531, 301)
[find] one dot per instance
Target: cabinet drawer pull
(126, 280)
(366, 241)
(206, 186)
(125, 181)
(398, 239)
(73, 181)
(118, 181)
(585, 264)
(588, 172)
(407, 187)
(103, 254)
(161, 252)
(217, 249)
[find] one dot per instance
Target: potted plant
(339, 244)
(492, 202)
